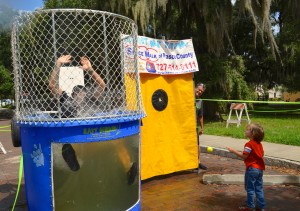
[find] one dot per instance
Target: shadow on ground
(8, 195)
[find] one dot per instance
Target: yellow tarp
(168, 137)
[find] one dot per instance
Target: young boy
(253, 158)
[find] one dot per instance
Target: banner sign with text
(160, 56)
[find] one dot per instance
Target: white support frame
(2, 148)
(238, 107)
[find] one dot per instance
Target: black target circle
(160, 100)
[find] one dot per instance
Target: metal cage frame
(40, 38)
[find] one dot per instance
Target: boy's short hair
(77, 89)
(257, 132)
(201, 84)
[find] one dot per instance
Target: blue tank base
(136, 207)
(51, 183)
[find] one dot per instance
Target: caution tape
(2, 127)
(251, 101)
(5, 126)
(295, 110)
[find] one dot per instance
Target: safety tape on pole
(251, 101)
(259, 111)
(295, 110)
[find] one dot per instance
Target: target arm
(99, 81)
(200, 120)
(53, 82)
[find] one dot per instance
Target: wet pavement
(177, 191)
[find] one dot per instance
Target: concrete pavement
(275, 155)
(238, 179)
(276, 151)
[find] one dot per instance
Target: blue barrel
(82, 166)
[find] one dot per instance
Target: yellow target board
(169, 138)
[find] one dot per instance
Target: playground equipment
(87, 159)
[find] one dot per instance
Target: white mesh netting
(69, 65)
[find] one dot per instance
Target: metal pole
(107, 75)
(55, 65)
(137, 87)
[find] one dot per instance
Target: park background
(246, 50)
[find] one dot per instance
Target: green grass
(279, 128)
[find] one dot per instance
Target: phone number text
(175, 67)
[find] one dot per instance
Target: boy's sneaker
(69, 156)
(258, 209)
(243, 208)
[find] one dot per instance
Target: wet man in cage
(77, 104)
(84, 102)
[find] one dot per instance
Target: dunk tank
(86, 157)
(169, 137)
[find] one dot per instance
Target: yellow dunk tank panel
(169, 138)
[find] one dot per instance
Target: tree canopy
(6, 83)
(239, 44)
